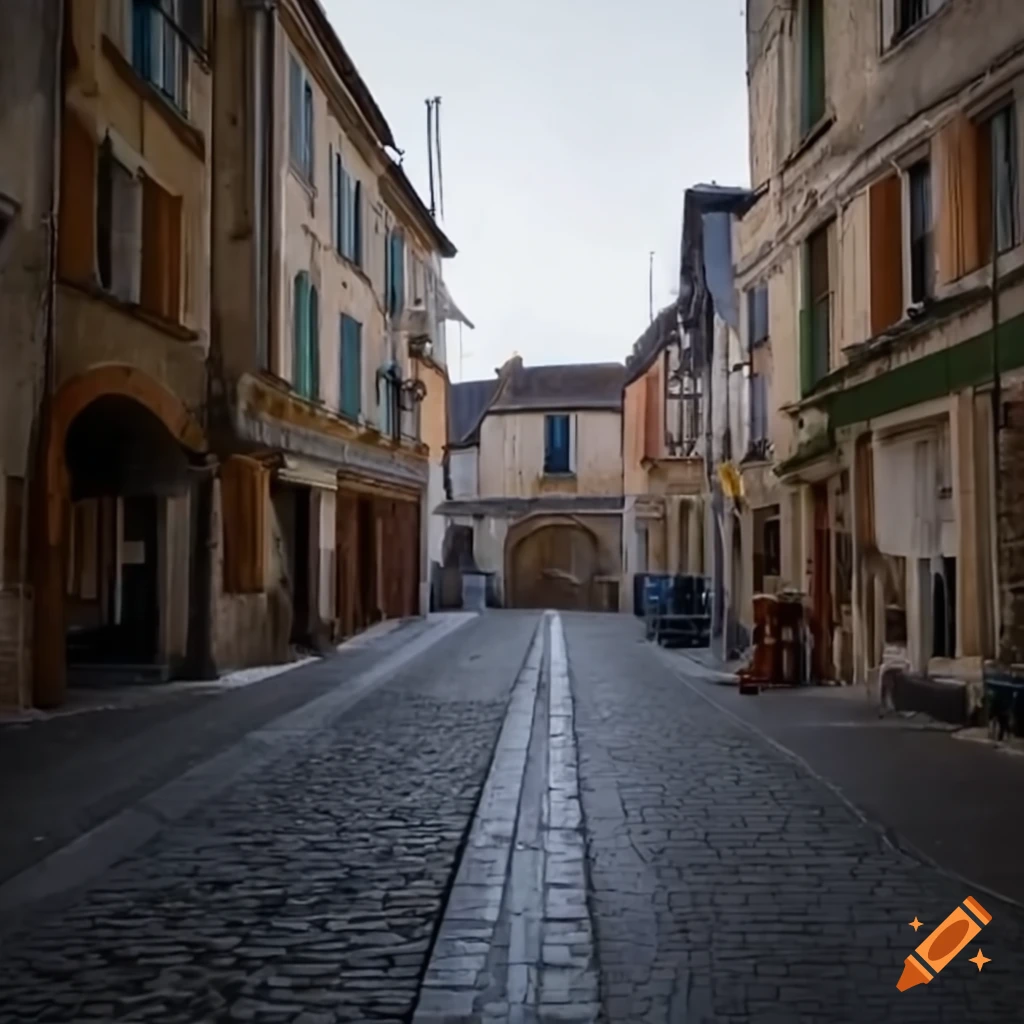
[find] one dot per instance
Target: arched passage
(553, 562)
(117, 447)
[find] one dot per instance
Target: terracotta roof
(572, 386)
(467, 403)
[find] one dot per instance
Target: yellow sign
(732, 482)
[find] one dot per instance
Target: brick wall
(1011, 526)
(9, 600)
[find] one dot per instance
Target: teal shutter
(813, 105)
(333, 184)
(300, 332)
(313, 346)
(308, 149)
(351, 367)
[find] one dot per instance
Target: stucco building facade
(882, 262)
(535, 477)
(329, 340)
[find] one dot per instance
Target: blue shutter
(295, 110)
(351, 366)
(313, 346)
(300, 331)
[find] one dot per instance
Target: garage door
(554, 567)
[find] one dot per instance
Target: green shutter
(300, 332)
(813, 92)
(351, 367)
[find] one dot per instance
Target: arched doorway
(113, 552)
(554, 565)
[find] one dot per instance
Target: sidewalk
(64, 772)
(937, 791)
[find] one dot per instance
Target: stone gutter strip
(453, 978)
(569, 977)
(95, 851)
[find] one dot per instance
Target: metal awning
(308, 473)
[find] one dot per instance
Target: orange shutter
(652, 414)
(244, 495)
(886, 201)
(962, 233)
(76, 234)
(161, 252)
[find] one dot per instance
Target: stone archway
(112, 432)
(553, 562)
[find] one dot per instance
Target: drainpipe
(34, 488)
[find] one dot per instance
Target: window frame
(305, 337)
(565, 464)
(812, 347)
(347, 411)
(153, 24)
(1008, 110)
(759, 290)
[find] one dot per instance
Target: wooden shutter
(160, 289)
(886, 202)
(864, 513)
(244, 497)
(652, 414)
(76, 239)
(964, 192)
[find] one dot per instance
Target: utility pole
(650, 284)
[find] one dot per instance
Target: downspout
(41, 402)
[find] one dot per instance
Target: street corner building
(328, 380)
(881, 279)
(104, 386)
(534, 479)
(222, 417)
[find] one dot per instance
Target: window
(557, 444)
(816, 317)
(305, 337)
(244, 492)
(346, 211)
(118, 227)
(813, 109)
(908, 14)
(300, 107)
(1000, 200)
(394, 272)
(388, 401)
(758, 413)
(767, 554)
(922, 259)
(351, 367)
(161, 31)
(757, 315)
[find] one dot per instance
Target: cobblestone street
(533, 818)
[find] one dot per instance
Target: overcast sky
(569, 131)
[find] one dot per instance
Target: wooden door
(347, 565)
(821, 596)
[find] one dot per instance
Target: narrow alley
(513, 816)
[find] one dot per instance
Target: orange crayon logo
(943, 945)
